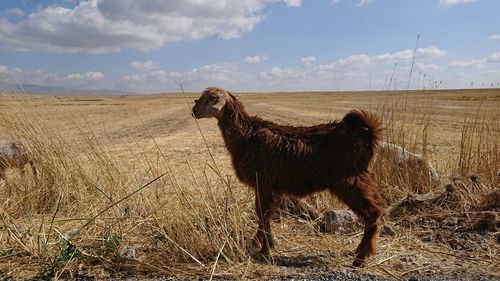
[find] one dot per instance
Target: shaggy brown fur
(275, 159)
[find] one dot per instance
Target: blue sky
(253, 45)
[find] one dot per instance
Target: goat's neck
(235, 124)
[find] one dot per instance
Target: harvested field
(134, 186)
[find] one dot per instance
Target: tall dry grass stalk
(479, 152)
(408, 125)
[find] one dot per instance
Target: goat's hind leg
(264, 208)
(368, 244)
(361, 196)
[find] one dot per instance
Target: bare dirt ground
(423, 248)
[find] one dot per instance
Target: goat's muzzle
(194, 113)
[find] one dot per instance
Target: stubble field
(135, 186)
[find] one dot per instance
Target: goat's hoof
(358, 262)
(266, 258)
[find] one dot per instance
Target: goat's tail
(368, 121)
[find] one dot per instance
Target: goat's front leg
(264, 209)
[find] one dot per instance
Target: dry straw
(91, 207)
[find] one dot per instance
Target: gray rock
(387, 230)
(339, 222)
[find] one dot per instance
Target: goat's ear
(231, 95)
(219, 104)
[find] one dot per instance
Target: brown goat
(275, 159)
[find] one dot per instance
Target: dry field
(134, 185)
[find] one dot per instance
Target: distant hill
(52, 90)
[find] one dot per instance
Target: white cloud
(146, 82)
(144, 65)
(495, 57)
(348, 73)
(223, 74)
(256, 59)
(391, 57)
(86, 80)
(359, 59)
(100, 26)
(477, 63)
(353, 72)
(3, 68)
(447, 3)
(468, 63)
(358, 4)
(352, 61)
(428, 67)
(293, 3)
(309, 60)
(364, 2)
(494, 37)
(404, 55)
(430, 52)
(407, 54)
(213, 72)
(90, 75)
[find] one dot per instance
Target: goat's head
(211, 103)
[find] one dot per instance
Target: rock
(412, 204)
(387, 230)
(457, 197)
(127, 252)
(416, 170)
(486, 222)
(70, 234)
(339, 222)
(491, 201)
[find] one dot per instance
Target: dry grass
(128, 183)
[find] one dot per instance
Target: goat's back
(301, 160)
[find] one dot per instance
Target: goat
(275, 159)
(14, 154)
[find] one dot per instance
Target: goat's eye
(195, 101)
